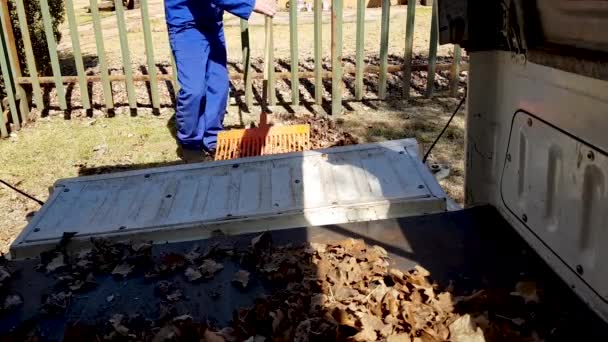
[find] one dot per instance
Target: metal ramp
(333, 186)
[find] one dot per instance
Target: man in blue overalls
(196, 35)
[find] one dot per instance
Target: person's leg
(191, 50)
(217, 89)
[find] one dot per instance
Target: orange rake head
(240, 143)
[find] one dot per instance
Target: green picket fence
(14, 80)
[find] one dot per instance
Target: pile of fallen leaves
(324, 132)
(341, 291)
(8, 299)
(346, 291)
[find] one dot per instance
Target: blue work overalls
(196, 35)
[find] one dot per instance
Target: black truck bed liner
(470, 250)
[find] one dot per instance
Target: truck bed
(465, 251)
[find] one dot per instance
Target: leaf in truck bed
(209, 268)
(241, 278)
(193, 274)
(464, 330)
(261, 242)
(56, 263)
(12, 301)
(527, 290)
(212, 336)
(122, 270)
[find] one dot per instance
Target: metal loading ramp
(178, 203)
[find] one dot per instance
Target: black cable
(22, 193)
(426, 155)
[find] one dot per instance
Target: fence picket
(246, 48)
(126, 55)
(4, 67)
(29, 55)
(455, 71)
(101, 54)
(145, 19)
(293, 40)
(409, 48)
(318, 23)
(52, 45)
(336, 58)
(269, 86)
(3, 130)
(386, 15)
(82, 81)
(360, 47)
(430, 80)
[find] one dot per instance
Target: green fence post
(430, 80)
(336, 58)
(101, 53)
(4, 67)
(3, 130)
(409, 47)
(454, 82)
(174, 74)
(360, 49)
(269, 63)
(29, 54)
(293, 38)
(145, 18)
(386, 15)
(245, 45)
(126, 56)
(82, 80)
(13, 60)
(52, 45)
(318, 23)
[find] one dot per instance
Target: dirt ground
(52, 148)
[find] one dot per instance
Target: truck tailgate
(332, 186)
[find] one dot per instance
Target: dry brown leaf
(398, 338)
(444, 302)
(390, 302)
(169, 332)
(175, 296)
(241, 278)
(372, 322)
(182, 318)
(4, 274)
(318, 248)
(55, 264)
(116, 322)
(317, 302)
(212, 336)
(141, 247)
(122, 270)
(366, 334)
(261, 242)
(343, 317)
(527, 290)
(464, 330)
(192, 274)
(343, 293)
(277, 319)
(209, 267)
(12, 301)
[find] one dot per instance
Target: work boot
(191, 155)
(209, 155)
